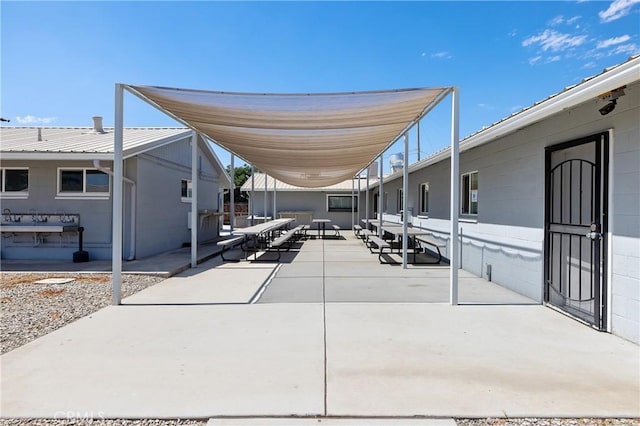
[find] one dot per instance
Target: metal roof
(590, 88)
(285, 187)
(81, 142)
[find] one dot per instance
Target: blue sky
(60, 60)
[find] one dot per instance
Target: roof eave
(625, 73)
(57, 156)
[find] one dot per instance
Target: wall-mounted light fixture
(612, 97)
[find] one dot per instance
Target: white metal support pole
(232, 195)
(195, 137)
(275, 204)
(265, 198)
(418, 138)
(358, 219)
(366, 200)
(380, 196)
(116, 246)
(455, 195)
(353, 204)
(405, 215)
(253, 198)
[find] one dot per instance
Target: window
(469, 193)
(400, 200)
(424, 198)
(83, 182)
(376, 202)
(186, 190)
(340, 203)
(14, 183)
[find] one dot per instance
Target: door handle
(593, 235)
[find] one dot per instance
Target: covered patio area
(327, 332)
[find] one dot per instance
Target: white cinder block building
(550, 200)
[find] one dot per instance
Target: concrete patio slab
(292, 361)
(469, 361)
(301, 269)
(173, 362)
(233, 283)
(417, 290)
(372, 268)
(293, 290)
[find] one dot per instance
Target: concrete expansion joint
(332, 421)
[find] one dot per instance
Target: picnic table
(322, 222)
(413, 234)
(262, 232)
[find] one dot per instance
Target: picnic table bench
(424, 239)
(282, 243)
(380, 245)
(228, 244)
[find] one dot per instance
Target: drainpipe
(132, 240)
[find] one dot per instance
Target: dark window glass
(97, 181)
(16, 180)
(71, 181)
(185, 188)
(424, 198)
(469, 193)
(340, 203)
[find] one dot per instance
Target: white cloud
(573, 19)
(555, 41)
(617, 10)
(441, 55)
(611, 41)
(30, 119)
(534, 60)
(590, 65)
(555, 58)
(627, 49)
(557, 20)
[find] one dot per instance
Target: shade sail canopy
(307, 140)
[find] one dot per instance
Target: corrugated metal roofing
(480, 137)
(281, 186)
(74, 140)
(584, 81)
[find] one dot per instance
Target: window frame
(15, 195)
(60, 194)
(189, 196)
(399, 200)
(468, 196)
(421, 198)
(353, 207)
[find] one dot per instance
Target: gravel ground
(31, 310)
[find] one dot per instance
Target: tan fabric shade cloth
(306, 140)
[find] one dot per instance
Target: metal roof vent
(39, 134)
(97, 125)
(396, 161)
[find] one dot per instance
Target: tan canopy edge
(306, 140)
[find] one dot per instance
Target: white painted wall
(162, 215)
